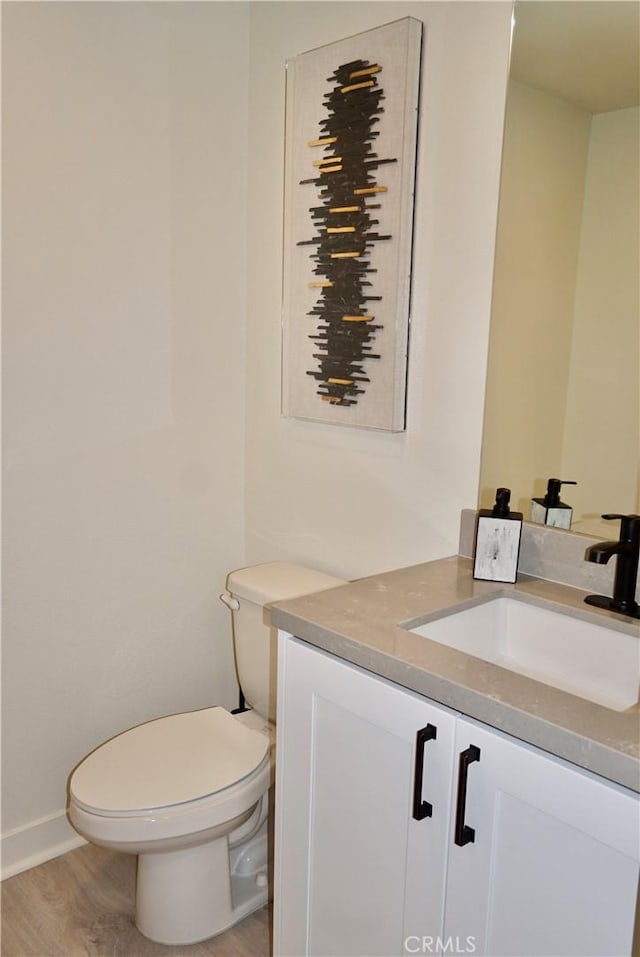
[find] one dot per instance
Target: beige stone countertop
(361, 623)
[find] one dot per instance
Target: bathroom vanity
(438, 798)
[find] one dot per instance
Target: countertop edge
(359, 622)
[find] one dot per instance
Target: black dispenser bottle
(498, 536)
(550, 510)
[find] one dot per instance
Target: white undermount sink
(590, 660)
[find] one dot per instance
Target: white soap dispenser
(550, 510)
(498, 536)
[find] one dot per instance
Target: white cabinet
(553, 867)
(388, 842)
(356, 872)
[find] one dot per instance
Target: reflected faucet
(627, 552)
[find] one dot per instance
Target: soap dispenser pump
(497, 541)
(550, 510)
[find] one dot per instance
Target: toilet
(188, 793)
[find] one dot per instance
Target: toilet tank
(254, 639)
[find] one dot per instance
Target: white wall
(130, 195)
(124, 129)
(350, 501)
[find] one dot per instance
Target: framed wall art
(350, 158)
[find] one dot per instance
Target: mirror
(563, 378)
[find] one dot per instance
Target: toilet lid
(168, 761)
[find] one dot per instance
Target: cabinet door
(355, 872)
(550, 863)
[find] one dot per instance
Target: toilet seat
(182, 759)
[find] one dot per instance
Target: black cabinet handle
(464, 834)
(421, 809)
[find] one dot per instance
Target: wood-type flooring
(82, 905)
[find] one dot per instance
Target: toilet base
(189, 895)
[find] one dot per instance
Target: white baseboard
(37, 842)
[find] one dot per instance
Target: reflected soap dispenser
(550, 510)
(497, 541)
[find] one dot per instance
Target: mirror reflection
(563, 382)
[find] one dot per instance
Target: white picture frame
(350, 159)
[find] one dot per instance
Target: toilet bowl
(181, 792)
(189, 793)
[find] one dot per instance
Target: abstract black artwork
(345, 228)
(347, 281)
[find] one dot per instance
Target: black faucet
(627, 550)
